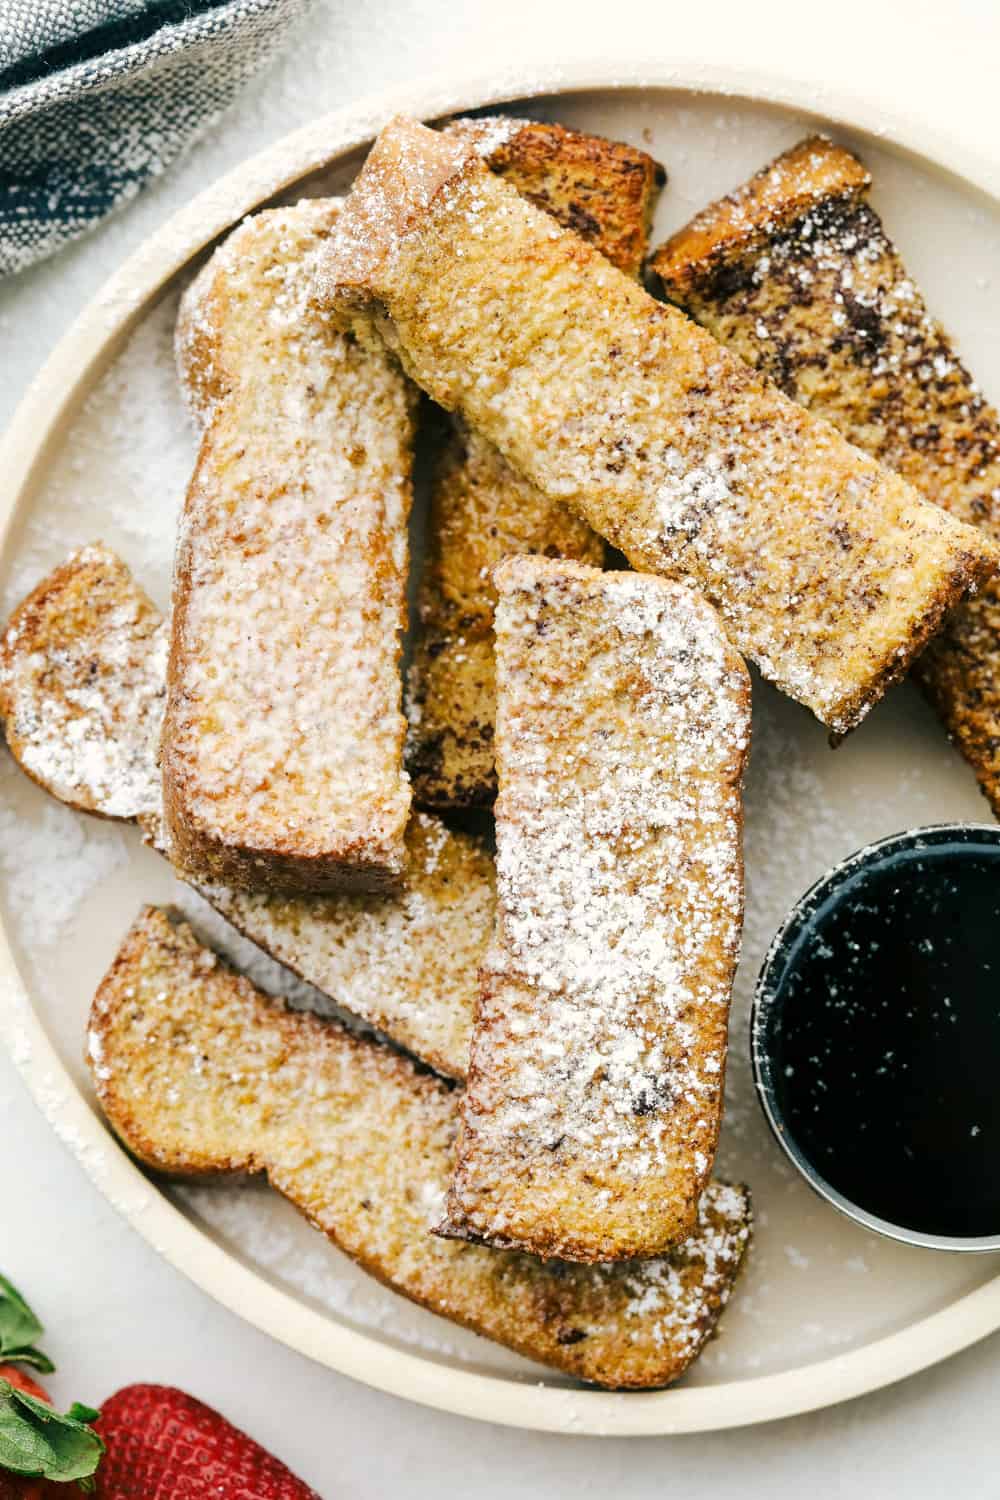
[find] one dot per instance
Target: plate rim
(85, 350)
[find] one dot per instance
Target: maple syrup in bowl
(875, 1036)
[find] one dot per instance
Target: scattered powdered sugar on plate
(50, 860)
(130, 448)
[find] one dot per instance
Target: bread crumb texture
(406, 963)
(482, 510)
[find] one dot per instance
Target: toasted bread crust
(282, 744)
(83, 686)
(812, 173)
(604, 190)
(815, 295)
(481, 510)
(830, 572)
(361, 1143)
(594, 1103)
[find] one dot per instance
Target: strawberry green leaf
(19, 1328)
(80, 1413)
(40, 1443)
(29, 1356)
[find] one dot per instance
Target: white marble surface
(118, 1313)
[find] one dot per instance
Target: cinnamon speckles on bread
(811, 177)
(829, 571)
(603, 190)
(811, 291)
(595, 1093)
(282, 747)
(200, 1075)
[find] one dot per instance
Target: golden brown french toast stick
(406, 962)
(83, 671)
(361, 1142)
(83, 665)
(594, 1102)
(283, 735)
(795, 273)
(830, 572)
(482, 510)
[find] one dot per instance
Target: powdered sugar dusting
(291, 565)
(818, 277)
(659, 1287)
(85, 696)
(51, 861)
(130, 449)
(828, 570)
(82, 686)
(253, 1224)
(487, 133)
(407, 963)
(598, 1056)
(811, 291)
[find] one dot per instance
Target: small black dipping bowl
(875, 1037)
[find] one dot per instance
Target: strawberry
(12, 1486)
(42, 1452)
(163, 1444)
(22, 1382)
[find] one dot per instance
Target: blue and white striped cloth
(96, 96)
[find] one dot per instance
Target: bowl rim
(766, 1000)
(86, 349)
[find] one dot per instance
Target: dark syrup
(886, 1040)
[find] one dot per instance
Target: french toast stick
(481, 510)
(360, 1141)
(82, 683)
(795, 273)
(83, 678)
(407, 962)
(830, 572)
(594, 1102)
(283, 733)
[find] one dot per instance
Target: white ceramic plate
(101, 447)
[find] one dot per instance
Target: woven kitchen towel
(96, 96)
